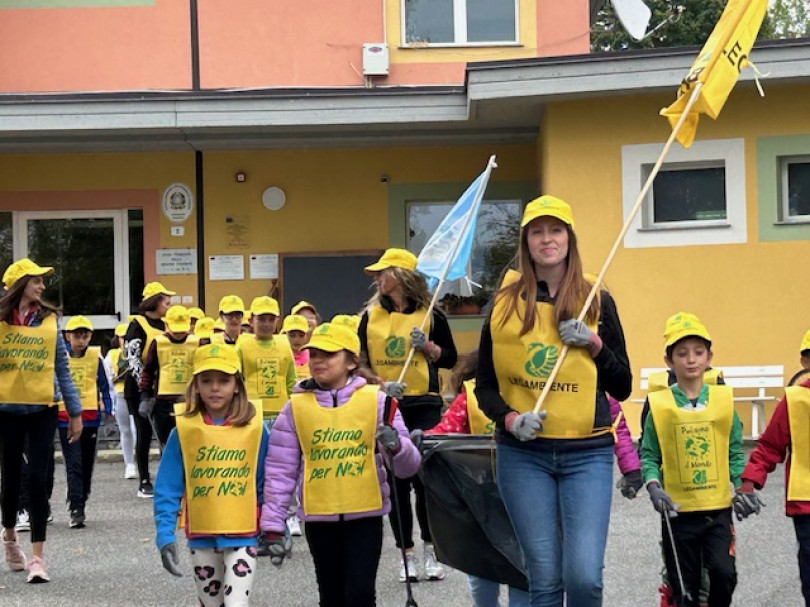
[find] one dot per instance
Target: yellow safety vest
(176, 361)
(220, 465)
(798, 407)
(694, 448)
(115, 357)
(337, 444)
(265, 365)
(27, 362)
(84, 373)
(522, 364)
(659, 380)
(389, 342)
(151, 334)
(478, 421)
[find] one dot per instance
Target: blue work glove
(279, 547)
(574, 332)
(146, 405)
(168, 554)
(746, 501)
(388, 437)
(661, 500)
(394, 389)
(526, 425)
(630, 484)
(418, 339)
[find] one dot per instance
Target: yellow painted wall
(747, 294)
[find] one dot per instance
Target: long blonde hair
(240, 409)
(414, 289)
(571, 294)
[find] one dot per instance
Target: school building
(259, 147)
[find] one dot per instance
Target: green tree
(790, 18)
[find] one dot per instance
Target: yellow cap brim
(545, 212)
(183, 327)
(216, 365)
(377, 267)
(262, 311)
(690, 332)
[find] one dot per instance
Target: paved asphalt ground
(113, 561)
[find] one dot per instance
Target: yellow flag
(718, 66)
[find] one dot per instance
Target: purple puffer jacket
(626, 455)
(283, 467)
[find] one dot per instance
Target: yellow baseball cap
(334, 338)
(550, 206)
(684, 324)
(303, 305)
(196, 313)
(178, 320)
(217, 357)
(231, 303)
(264, 305)
(79, 322)
(219, 325)
(155, 288)
(121, 330)
(347, 320)
(393, 258)
(204, 327)
(805, 342)
(24, 267)
(295, 322)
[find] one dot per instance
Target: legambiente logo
(542, 359)
(395, 347)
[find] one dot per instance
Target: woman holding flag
(555, 466)
(389, 328)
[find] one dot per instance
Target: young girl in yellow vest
(231, 314)
(296, 329)
(388, 329)
(691, 452)
(90, 378)
(329, 444)
(167, 371)
(267, 360)
(116, 361)
(212, 471)
(33, 377)
(142, 331)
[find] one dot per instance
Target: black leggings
(346, 556)
(143, 440)
(80, 457)
(39, 428)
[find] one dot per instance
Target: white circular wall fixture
(273, 198)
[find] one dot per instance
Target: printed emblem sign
(178, 202)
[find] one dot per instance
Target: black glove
(279, 547)
(146, 405)
(661, 500)
(388, 437)
(417, 438)
(630, 484)
(746, 501)
(168, 554)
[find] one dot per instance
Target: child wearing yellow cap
(296, 328)
(212, 470)
(90, 378)
(804, 361)
(231, 314)
(167, 371)
(691, 452)
(117, 367)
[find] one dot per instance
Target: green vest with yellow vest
(27, 362)
(176, 362)
(219, 464)
(798, 408)
(389, 342)
(337, 446)
(265, 365)
(695, 448)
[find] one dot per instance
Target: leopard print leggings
(224, 576)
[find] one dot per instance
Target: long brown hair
(571, 294)
(240, 410)
(11, 301)
(414, 289)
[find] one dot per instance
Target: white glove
(526, 425)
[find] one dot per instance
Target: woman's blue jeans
(559, 505)
(485, 593)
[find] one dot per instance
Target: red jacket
(771, 450)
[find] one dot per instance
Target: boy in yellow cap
(308, 311)
(691, 450)
(118, 369)
(296, 328)
(90, 379)
(167, 371)
(231, 313)
(804, 361)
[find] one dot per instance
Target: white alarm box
(375, 59)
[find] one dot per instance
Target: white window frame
(459, 30)
(785, 216)
(636, 160)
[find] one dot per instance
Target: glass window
(496, 239)
(459, 21)
(6, 240)
(796, 188)
(686, 193)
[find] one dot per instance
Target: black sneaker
(146, 489)
(77, 518)
(50, 515)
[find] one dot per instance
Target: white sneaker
(294, 524)
(130, 471)
(23, 522)
(433, 568)
(413, 568)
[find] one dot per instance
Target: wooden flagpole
(631, 216)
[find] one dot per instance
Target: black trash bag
(470, 528)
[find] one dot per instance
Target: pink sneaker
(15, 558)
(36, 571)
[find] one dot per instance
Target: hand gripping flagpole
(473, 210)
(633, 212)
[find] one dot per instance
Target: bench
(758, 378)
